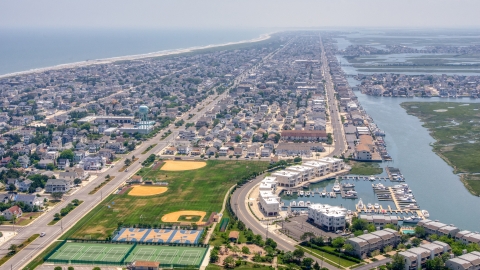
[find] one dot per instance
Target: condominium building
(320, 168)
(330, 218)
(438, 228)
(379, 221)
(335, 164)
(287, 178)
(416, 257)
(306, 172)
(467, 237)
(269, 203)
(464, 262)
(366, 243)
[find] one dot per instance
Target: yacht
(377, 206)
(293, 203)
(369, 206)
(336, 186)
(307, 193)
(308, 203)
(425, 213)
(288, 192)
(301, 193)
(324, 192)
(371, 178)
(360, 204)
(348, 185)
(349, 212)
(378, 186)
(301, 203)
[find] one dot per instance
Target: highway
(90, 201)
(239, 199)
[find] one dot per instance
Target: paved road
(337, 126)
(239, 199)
(90, 201)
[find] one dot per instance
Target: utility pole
(267, 232)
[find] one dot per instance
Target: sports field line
(166, 256)
(75, 250)
(189, 257)
(143, 254)
(113, 256)
(91, 253)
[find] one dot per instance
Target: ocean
(24, 49)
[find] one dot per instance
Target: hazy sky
(239, 13)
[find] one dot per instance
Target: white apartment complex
(330, 218)
(269, 202)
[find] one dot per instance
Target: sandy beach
(132, 57)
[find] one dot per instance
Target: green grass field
(114, 254)
(365, 168)
(203, 190)
(455, 127)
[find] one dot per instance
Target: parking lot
(295, 227)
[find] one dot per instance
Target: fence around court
(223, 224)
(122, 262)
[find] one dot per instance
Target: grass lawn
(329, 258)
(455, 127)
(219, 238)
(202, 189)
(25, 219)
(365, 168)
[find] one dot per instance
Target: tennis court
(121, 254)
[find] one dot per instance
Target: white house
(287, 178)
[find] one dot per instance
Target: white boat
(349, 212)
(336, 186)
(324, 192)
(369, 206)
(360, 204)
(288, 192)
(307, 193)
(301, 203)
(376, 206)
(425, 213)
(348, 185)
(410, 206)
(301, 193)
(313, 193)
(308, 203)
(371, 178)
(293, 203)
(378, 186)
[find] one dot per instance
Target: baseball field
(202, 190)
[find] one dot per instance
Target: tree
(338, 242)
(359, 225)
(307, 262)
(318, 241)
(97, 268)
(13, 248)
(128, 162)
(316, 266)
(397, 263)
(56, 216)
(58, 268)
(387, 249)
(420, 232)
(269, 242)
(371, 228)
(288, 256)
(297, 159)
(416, 241)
(214, 256)
(12, 187)
(348, 248)
(434, 264)
(57, 195)
(235, 249)
(298, 253)
(306, 235)
(245, 250)
(71, 268)
(229, 262)
(67, 154)
(50, 167)
(77, 181)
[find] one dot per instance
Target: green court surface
(122, 254)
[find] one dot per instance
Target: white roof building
(330, 218)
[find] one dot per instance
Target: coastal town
(80, 140)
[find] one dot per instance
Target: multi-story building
(438, 228)
(468, 237)
(320, 168)
(416, 257)
(364, 244)
(464, 262)
(330, 218)
(287, 178)
(334, 164)
(306, 173)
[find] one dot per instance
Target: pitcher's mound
(172, 165)
(146, 190)
(183, 216)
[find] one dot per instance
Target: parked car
(42, 234)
